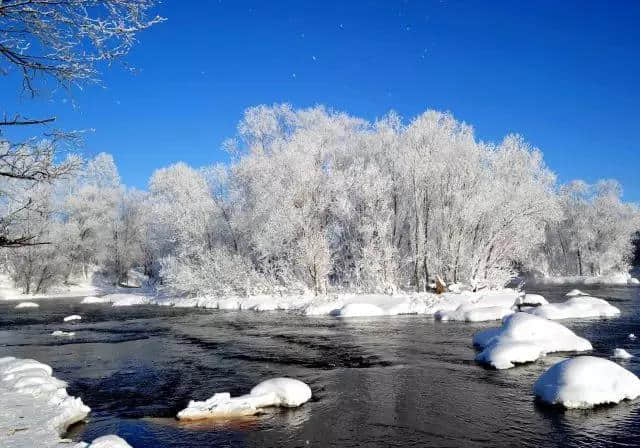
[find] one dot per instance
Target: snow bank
(27, 305)
(614, 279)
(285, 392)
(36, 409)
(621, 353)
(585, 382)
(360, 310)
(576, 292)
(92, 299)
(63, 333)
(531, 300)
(525, 338)
(73, 317)
(576, 308)
(493, 305)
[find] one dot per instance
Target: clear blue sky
(566, 75)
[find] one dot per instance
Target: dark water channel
(401, 381)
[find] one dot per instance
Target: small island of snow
(585, 382)
(285, 392)
(576, 308)
(73, 317)
(27, 305)
(620, 353)
(63, 333)
(525, 338)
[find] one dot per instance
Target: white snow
(525, 338)
(492, 305)
(27, 305)
(63, 333)
(72, 317)
(576, 292)
(360, 310)
(110, 441)
(284, 392)
(632, 336)
(585, 382)
(92, 299)
(36, 409)
(472, 314)
(531, 300)
(616, 278)
(621, 353)
(576, 308)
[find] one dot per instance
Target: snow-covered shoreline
(36, 409)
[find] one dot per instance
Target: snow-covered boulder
(63, 333)
(285, 392)
(632, 336)
(575, 293)
(27, 305)
(359, 310)
(585, 382)
(73, 317)
(473, 314)
(634, 281)
(620, 353)
(531, 300)
(110, 441)
(525, 338)
(576, 308)
(476, 307)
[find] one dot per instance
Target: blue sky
(563, 74)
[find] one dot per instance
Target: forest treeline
(315, 199)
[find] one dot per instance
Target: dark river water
(383, 382)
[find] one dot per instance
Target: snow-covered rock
(632, 336)
(73, 317)
(575, 293)
(585, 382)
(576, 308)
(525, 338)
(110, 441)
(634, 281)
(531, 300)
(614, 279)
(27, 305)
(473, 314)
(478, 307)
(285, 392)
(63, 333)
(621, 353)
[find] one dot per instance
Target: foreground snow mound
(493, 305)
(73, 317)
(621, 353)
(585, 382)
(105, 442)
(576, 308)
(285, 392)
(525, 338)
(531, 300)
(63, 333)
(27, 305)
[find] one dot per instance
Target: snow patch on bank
(585, 382)
(27, 305)
(525, 338)
(578, 307)
(614, 279)
(284, 392)
(36, 409)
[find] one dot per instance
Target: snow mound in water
(63, 333)
(621, 353)
(525, 338)
(585, 382)
(531, 300)
(576, 308)
(27, 305)
(360, 310)
(286, 392)
(632, 336)
(576, 292)
(73, 317)
(105, 442)
(477, 308)
(92, 299)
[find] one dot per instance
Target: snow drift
(284, 392)
(525, 338)
(585, 382)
